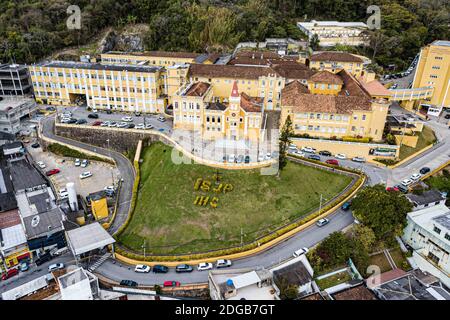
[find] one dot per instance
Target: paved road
(123, 164)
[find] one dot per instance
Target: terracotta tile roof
(251, 104)
(355, 293)
(248, 61)
(375, 88)
(227, 71)
(335, 56)
(171, 54)
(385, 277)
(9, 218)
(258, 54)
(298, 97)
(326, 77)
(216, 106)
(197, 89)
(293, 71)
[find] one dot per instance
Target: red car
(332, 161)
(171, 284)
(392, 189)
(97, 123)
(52, 172)
(10, 273)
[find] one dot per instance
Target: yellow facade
(127, 89)
(355, 68)
(433, 70)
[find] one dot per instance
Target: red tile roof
(227, 71)
(377, 280)
(251, 104)
(197, 89)
(9, 218)
(326, 77)
(335, 56)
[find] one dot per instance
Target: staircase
(99, 262)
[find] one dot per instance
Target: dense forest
(32, 29)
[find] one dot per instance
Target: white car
(142, 268)
(292, 147)
(77, 162)
(127, 119)
(299, 252)
(308, 149)
(109, 188)
(231, 158)
(415, 177)
(204, 266)
(41, 164)
(55, 266)
(161, 118)
(85, 175)
(140, 126)
(268, 156)
(84, 163)
(63, 194)
(105, 124)
(300, 153)
(65, 120)
(358, 159)
(406, 182)
(122, 125)
(341, 156)
(223, 263)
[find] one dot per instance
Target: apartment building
(14, 80)
(116, 87)
(333, 106)
(428, 233)
(433, 71)
(336, 61)
(12, 109)
(196, 108)
(331, 33)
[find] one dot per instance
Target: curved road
(339, 220)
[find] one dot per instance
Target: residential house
(334, 61)
(426, 199)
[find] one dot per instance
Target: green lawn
(381, 261)
(333, 280)
(426, 138)
(399, 259)
(170, 223)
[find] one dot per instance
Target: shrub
(66, 151)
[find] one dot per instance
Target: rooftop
(359, 292)
(13, 67)
(444, 43)
(227, 71)
(71, 278)
(25, 289)
(197, 89)
(43, 223)
(88, 237)
(9, 103)
(162, 54)
(425, 218)
(314, 23)
(9, 218)
(12, 237)
(337, 56)
(24, 175)
(99, 66)
(326, 77)
(375, 88)
(429, 196)
(294, 273)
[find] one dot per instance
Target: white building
(78, 284)
(246, 284)
(428, 233)
(12, 109)
(331, 33)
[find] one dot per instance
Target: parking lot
(102, 173)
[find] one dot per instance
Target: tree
(382, 211)
(314, 42)
(285, 140)
(288, 291)
(365, 235)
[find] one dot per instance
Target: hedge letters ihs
(205, 185)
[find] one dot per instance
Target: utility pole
(144, 246)
(242, 237)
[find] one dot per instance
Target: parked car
(325, 153)
(406, 182)
(130, 126)
(447, 116)
(127, 119)
(84, 163)
(341, 156)
(108, 111)
(308, 149)
(268, 156)
(161, 118)
(142, 268)
(128, 283)
(247, 159)
(240, 158)
(122, 125)
(72, 121)
(299, 252)
(148, 126)
(292, 147)
(112, 124)
(358, 159)
(223, 263)
(35, 145)
(43, 258)
(105, 124)
(231, 158)
(424, 170)
(81, 121)
(55, 266)
(322, 222)
(93, 116)
(171, 284)
(77, 162)
(333, 162)
(52, 172)
(63, 194)
(140, 126)
(401, 188)
(183, 268)
(204, 266)
(97, 123)
(346, 206)
(415, 176)
(160, 269)
(10, 273)
(314, 157)
(300, 153)
(85, 175)
(137, 114)
(41, 164)
(24, 266)
(392, 189)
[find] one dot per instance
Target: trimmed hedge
(211, 254)
(66, 151)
